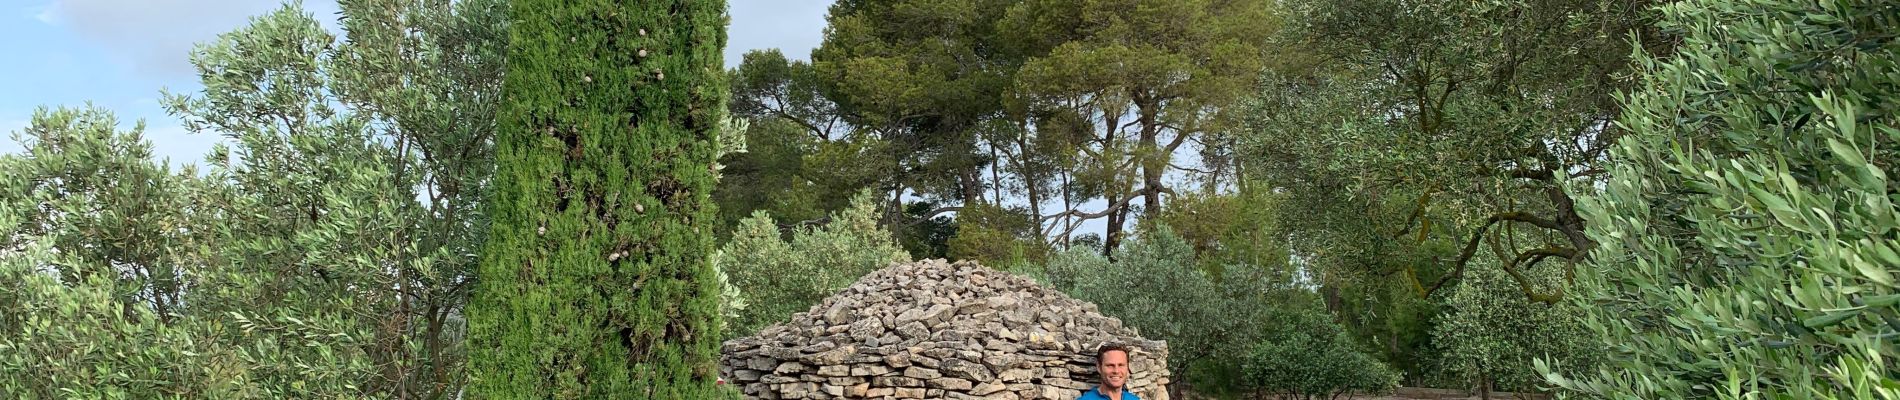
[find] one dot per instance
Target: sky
(118, 54)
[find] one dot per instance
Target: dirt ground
(1431, 394)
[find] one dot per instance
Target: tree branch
(1534, 256)
(1525, 217)
(1539, 174)
(1112, 206)
(1423, 200)
(1471, 245)
(1587, 172)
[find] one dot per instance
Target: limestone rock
(933, 329)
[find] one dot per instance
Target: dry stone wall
(937, 330)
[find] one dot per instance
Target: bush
(1306, 355)
(1491, 332)
(1226, 229)
(776, 278)
(1156, 288)
(1747, 228)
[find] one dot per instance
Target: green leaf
(1870, 270)
(1829, 319)
(1847, 154)
(1881, 301)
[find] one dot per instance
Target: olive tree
(1748, 226)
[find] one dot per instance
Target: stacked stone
(936, 330)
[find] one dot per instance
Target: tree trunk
(971, 179)
(1484, 386)
(433, 345)
(1331, 295)
(1154, 160)
(1112, 237)
(595, 281)
(1032, 181)
(996, 178)
(1068, 222)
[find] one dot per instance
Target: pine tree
(595, 282)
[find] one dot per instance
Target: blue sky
(117, 54)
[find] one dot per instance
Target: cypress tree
(595, 281)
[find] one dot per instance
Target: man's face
(1114, 369)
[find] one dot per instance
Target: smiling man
(1111, 361)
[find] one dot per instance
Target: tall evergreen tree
(595, 282)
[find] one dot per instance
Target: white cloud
(45, 14)
(156, 36)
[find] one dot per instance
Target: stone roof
(933, 329)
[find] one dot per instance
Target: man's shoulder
(1093, 394)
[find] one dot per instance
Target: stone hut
(936, 330)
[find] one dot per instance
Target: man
(1112, 362)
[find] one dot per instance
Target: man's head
(1111, 360)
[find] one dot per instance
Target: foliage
(1444, 124)
(1408, 141)
(1390, 321)
(808, 159)
(303, 262)
(1491, 334)
(802, 160)
(926, 236)
(921, 99)
(997, 236)
(1305, 355)
(1157, 74)
(1153, 287)
(1748, 225)
(777, 278)
(101, 245)
(917, 77)
(1227, 229)
(596, 280)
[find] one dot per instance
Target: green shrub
(1491, 332)
(1226, 229)
(1747, 228)
(775, 278)
(1305, 355)
(1155, 287)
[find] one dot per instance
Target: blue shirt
(1096, 394)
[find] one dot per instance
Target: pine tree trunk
(1112, 236)
(1153, 161)
(595, 282)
